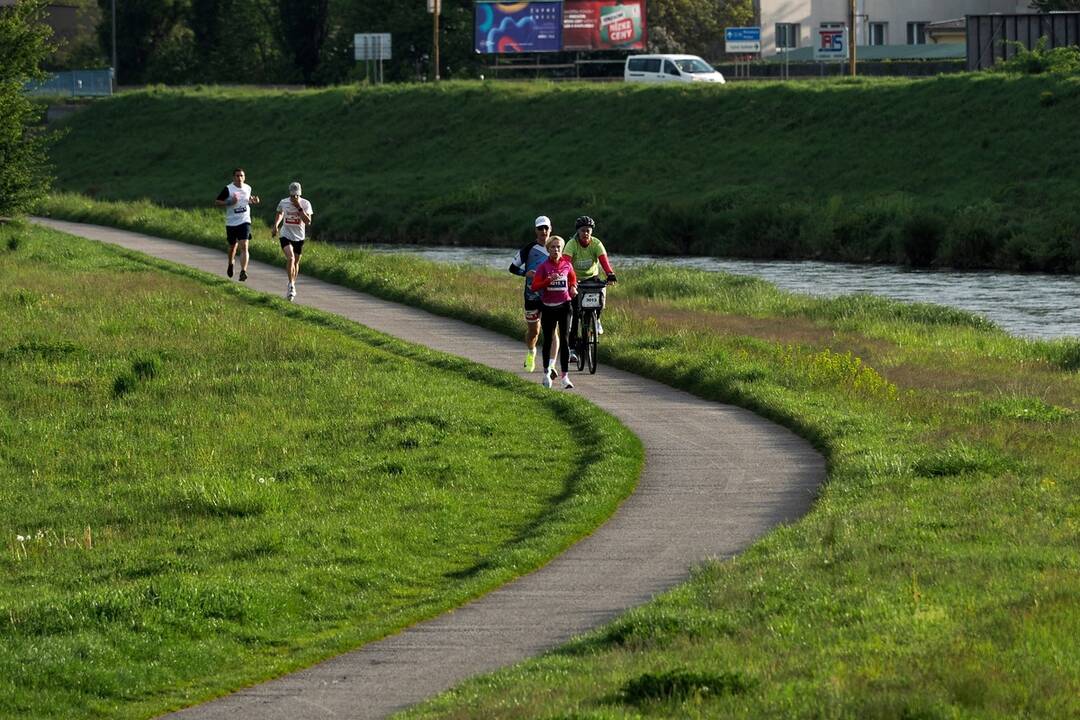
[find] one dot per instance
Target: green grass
(202, 487)
(936, 576)
(960, 170)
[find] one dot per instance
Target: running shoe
(567, 385)
(552, 372)
(291, 292)
(546, 382)
(599, 327)
(243, 275)
(573, 356)
(530, 361)
(228, 271)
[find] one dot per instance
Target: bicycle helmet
(584, 221)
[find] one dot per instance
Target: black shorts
(532, 310)
(236, 233)
(297, 245)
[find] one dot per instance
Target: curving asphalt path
(716, 478)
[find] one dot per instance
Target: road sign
(371, 46)
(742, 39)
(830, 43)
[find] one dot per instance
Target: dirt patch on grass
(784, 331)
(989, 378)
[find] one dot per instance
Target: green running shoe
(530, 361)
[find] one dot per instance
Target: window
(670, 69)
(879, 33)
(787, 35)
(694, 65)
(916, 33)
(645, 65)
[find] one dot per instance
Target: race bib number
(590, 300)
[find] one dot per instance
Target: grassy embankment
(936, 576)
(963, 170)
(202, 487)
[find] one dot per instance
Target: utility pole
(114, 73)
(851, 36)
(436, 6)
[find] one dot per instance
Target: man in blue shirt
(524, 265)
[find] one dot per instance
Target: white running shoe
(599, 327)
(573, 356)
(291, 292)
(546, 382)
(567, 385)
(552, 372)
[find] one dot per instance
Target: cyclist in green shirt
(589, 256)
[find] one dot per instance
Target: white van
(670, 68)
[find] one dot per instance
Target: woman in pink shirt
(557, 284)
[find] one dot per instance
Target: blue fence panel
(74, 83)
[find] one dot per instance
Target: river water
(1029, 305)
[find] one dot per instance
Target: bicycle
(591, 297)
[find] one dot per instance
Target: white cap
(543, 221)
(294, 188)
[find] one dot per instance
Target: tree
(1045, 6)
(695, 26)
(304, 27)
(151, 37)
(24, 44)
(235, 41)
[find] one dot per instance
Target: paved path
(716, 478)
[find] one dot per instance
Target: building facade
(790, 23)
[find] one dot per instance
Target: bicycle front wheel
(591, 337)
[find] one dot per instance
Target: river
(1028, 305)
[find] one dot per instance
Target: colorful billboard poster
(604, 25)
(520, 27)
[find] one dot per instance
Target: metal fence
(74, 83)
(988, 36)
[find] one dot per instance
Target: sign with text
(742, 40)
(604, 25)
(830, 43)
(371, 46)
(521, 27)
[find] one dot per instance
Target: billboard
(604, 25)
(519, 27)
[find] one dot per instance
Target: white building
(789, 23)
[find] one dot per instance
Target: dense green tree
(695, 26)
(235, 42)
(311, 41)
(304, 25)
(411, 26)
(81, 49)
(1052, 5)
(153, 40)
(24, 44)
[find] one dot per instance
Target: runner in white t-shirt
(237, 199)
(292, 218)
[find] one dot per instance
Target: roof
(954, 24)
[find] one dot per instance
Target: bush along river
(1029, 305)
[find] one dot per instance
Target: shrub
(1040, 60)
(973, 238)
(146, 368)
(920, 238)
(680, 685)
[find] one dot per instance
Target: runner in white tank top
(237, 199)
